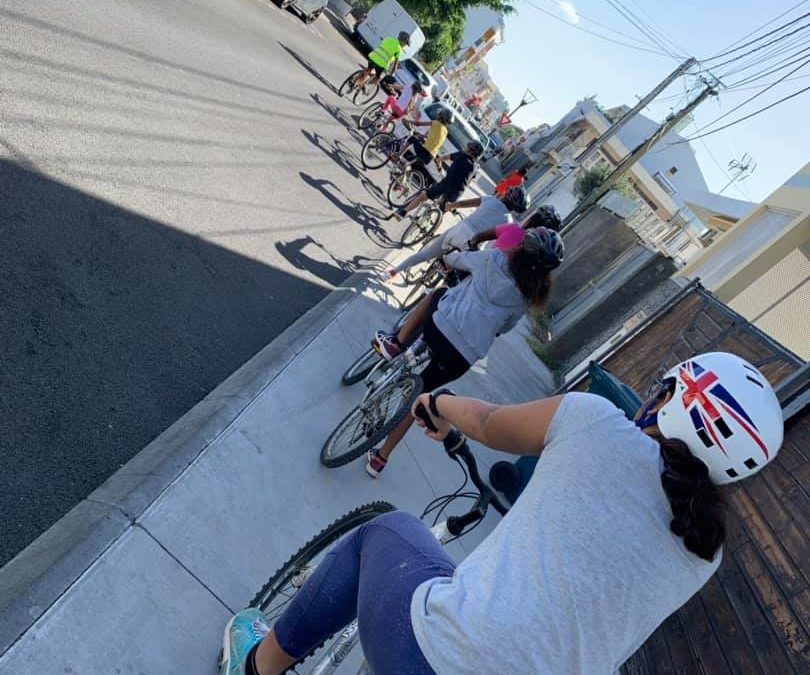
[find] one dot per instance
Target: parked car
(410, 70)
(308, 10)
(387, 19)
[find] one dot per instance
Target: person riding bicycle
(489, 212)
(384, 59)
(514, 179)
(406, 103)
(509, 235)
(426, 150)
(463, 166)
(620, 525)
(460, 324)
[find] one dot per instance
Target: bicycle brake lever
(423, 415)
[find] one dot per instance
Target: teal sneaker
(243, 631)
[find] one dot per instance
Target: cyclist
(384, 59)
(427, 150)
(406, 102)
(510, 235)
(462, 168)
(489, 211)
(460, 324)
(514, 179)
(619, 526)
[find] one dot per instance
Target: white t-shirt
(581, 570)
(492, 212)
(405, 97)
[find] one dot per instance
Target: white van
(386, 20)
(410, 70)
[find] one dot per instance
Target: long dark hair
(698, 507)
(531, 277)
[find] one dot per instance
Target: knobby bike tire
(369, 116)
(374, 142)
(331, 460)
(319, 543)
(361, 367)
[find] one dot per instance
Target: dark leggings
(446, 364)
(370, 575)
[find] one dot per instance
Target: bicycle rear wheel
(373, 154)
(371, 421)
(422, 226)
(348, 84)
(430, 279)
(365, 94)
(404, 186)
(280, 589)
(370, 116)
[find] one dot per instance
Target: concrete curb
(34, 579)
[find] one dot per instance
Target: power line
(661, 30)
(768, 23)
(770, 70)
(759, 86)
(742, 119)
(761, 37)
(633, 20)
(756, 49)
(751, 98)
(599, 35)
(759, 59)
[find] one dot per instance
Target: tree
(510, 132)
(591, 179)
(442, 22)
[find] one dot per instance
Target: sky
(562, 64)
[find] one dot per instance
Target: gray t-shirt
(491, 213)
(580, 571)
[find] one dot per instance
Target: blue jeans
(370, 575)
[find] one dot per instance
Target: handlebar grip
(423, 415)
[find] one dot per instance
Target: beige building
(760, 267)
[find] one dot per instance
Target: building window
(673, 170)
(665, 183)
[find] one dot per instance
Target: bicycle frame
(444, 531)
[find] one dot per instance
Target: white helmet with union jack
(727, 414)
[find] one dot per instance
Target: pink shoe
(374, 464)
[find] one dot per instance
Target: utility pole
(642, 103)
(636, 154)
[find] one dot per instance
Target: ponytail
(698, 508)
(532, 278)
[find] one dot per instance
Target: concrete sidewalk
(248, 493)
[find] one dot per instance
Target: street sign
(504, 120)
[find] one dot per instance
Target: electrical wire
(770, 70)
(645, 30)
(662, 31)
(765, 84)
(590, 32)
(766, 24)
(751, 98)
(746, 117)
(761, 37)
(790, 46)
(756, 49)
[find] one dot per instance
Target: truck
(387, 19)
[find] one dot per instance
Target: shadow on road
(340, 156)
(341, 118)
(306, 65)
(333, 272)
(112, 325)
(365, 216)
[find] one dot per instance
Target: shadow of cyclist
(342, 118)
(338, 155)
(365, 216)
(334, 272)
(306, 65)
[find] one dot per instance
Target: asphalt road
(177, 185)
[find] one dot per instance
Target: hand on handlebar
(421, 413)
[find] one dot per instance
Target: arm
(517, 429)
(394, 66)
(481, 237)
(460, 260)
(473, 203)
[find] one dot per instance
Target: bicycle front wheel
(370, 116)
(371, 421)
(282, 587)
(422, 226)
(374, 154)
(360, 368)
(404, 186)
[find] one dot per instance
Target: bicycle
(289, 579)
(424, 222)
(374, 117)
(359, 95)
(391, 389)
(370, 358)
(433, 275)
